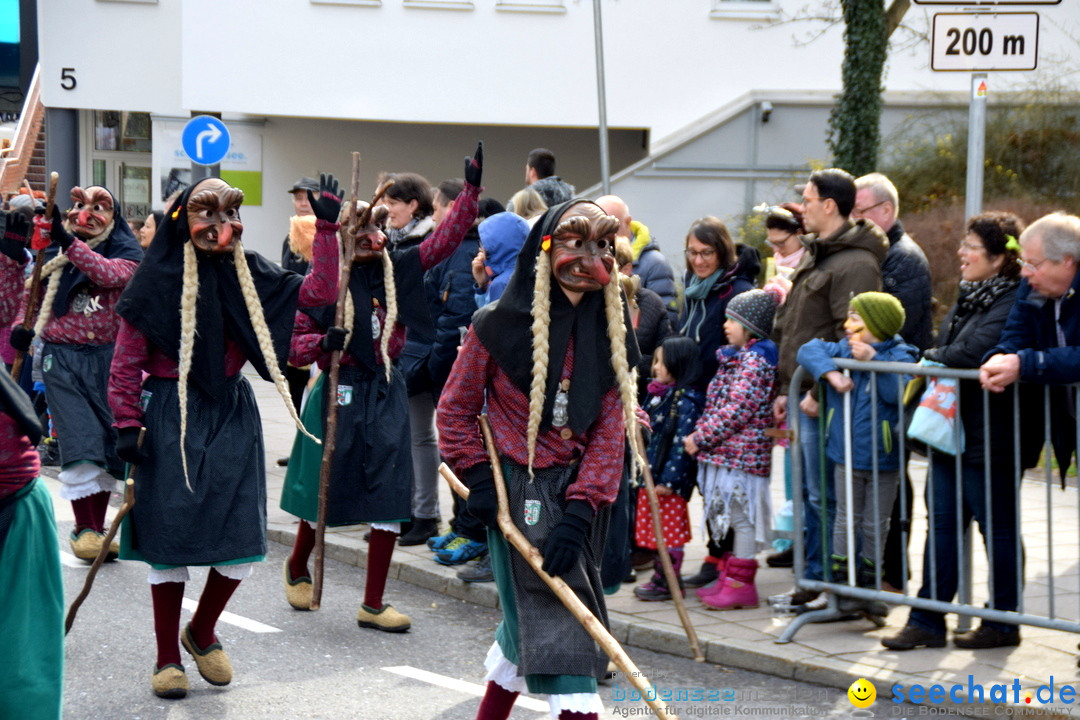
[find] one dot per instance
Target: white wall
(667, 63)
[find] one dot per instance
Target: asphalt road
(291, 664)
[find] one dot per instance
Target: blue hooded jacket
(817, 357)
(502, 236)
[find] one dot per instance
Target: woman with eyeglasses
(989, 278)
(716, 270)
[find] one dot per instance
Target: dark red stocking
(215, 595)
(497, 702)
(84, 513)
(380, 548)
(568, 715)
(100, 505)
(301, 551)
(167, 597)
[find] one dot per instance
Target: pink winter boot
(714, 587)
(738, 589)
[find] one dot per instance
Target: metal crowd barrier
(847, 600)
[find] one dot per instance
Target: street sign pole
(976, 151)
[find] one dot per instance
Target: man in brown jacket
(843, 259)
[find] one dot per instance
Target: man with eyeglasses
(905, 274)
(845, 259)
(1041, 340)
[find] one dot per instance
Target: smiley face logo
(862, 693)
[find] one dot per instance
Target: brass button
(566, 433)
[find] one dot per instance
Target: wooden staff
(661, 548)
(33, 297)
(330, 433)
(129, 501)
(569, 598)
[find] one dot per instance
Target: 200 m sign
(978, 42)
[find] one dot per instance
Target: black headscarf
(504, 328)
(151, 302)
(120, 245)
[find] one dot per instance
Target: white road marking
(70, 560)
(237, 620)
(462, 686)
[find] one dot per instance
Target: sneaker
(913, 636)
(986, 637)
(477, 572)
(439, 542)
(386, 619)
(421, 530)
(460, 551)
(652, 591)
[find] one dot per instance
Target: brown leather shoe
(912, 637)
(986, 637)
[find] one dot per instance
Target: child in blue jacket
(874, 318)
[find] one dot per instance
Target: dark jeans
(1001, 548)
(818, 537)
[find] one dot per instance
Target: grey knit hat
(754, 310)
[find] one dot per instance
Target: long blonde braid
(262, 332)
(55, 267)
(391, 311)
(624, 377)
(541, 316)
(188, 296)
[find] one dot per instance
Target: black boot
(421, 530)
(704, 576)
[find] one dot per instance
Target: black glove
(474, 166)
(14, 234)
(57, 233)
(566, 539)
(334, 339)
(21, 338)
(327, 206)
(483, 503)
(127, 446)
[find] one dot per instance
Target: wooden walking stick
(330, 432)
(352, 225)
(569, 598)
(33, 296)
(665, 558)
(129, 501)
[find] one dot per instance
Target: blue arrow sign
(206, 140)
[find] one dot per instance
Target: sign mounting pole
(976, 150)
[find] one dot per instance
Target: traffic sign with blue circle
(206, 140)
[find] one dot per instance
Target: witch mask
(582, 248)
(91, 212)
(213, 214)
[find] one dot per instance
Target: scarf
(504, 328)
(697, 292)
(981, 294)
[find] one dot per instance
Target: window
(745, 9)
(439, 4)
(122, 131)
(541, 6)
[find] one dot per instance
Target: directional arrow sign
(206, 140)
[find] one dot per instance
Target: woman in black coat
(990, 275)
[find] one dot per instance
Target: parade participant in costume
(371, 473)
(94, 256)
(560, 398)
(198, 308)
(32, 612)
